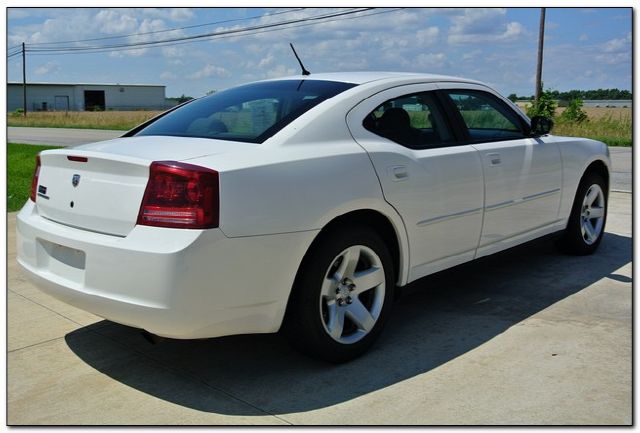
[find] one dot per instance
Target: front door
(522, 175)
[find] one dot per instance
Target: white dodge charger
(301, 204)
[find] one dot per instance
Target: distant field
(609, 125)
(595, 113)
(119, 120)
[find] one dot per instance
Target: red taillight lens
(180, 195)
(34, 181)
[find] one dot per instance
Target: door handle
(494, 158)
(398, 173)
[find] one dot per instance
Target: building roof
(87, 84)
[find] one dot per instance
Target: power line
(201, 36)
(222, 36)
(167, 30)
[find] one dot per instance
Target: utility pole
(24, 82)
(540, 48)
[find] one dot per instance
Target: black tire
(307, 321)
(573, 241)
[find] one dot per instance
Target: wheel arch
(598, 166)
(390, 227)
(392, 231)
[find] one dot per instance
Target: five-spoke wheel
(352, 294)
(342, 295)
(588, 216)
(592, 215)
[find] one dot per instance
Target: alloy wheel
(592, 214)
(352, 294)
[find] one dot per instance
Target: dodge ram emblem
(75, 180)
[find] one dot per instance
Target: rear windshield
(250, 113)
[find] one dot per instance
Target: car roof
(361, 77)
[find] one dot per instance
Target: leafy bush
(574, 112)
(544, 106)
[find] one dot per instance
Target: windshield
(250, 113)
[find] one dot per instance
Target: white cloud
(471, 55)
(428, 36)
(477, 25)
(172, 52)
(266, 61)
(173, 14)
(114, 22)
(431, 60)
(618, 45)
(181, 14)
(583, 37)
(168, 75)
(280, 71)
(209, 70)
(614, 58)
(47, 69)
(17, 14)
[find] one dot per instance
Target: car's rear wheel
(588, 217)
(342, 295)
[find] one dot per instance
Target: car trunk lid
(99, 187)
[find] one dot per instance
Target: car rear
(138, 242)
(131, 230)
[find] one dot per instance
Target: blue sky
(585, 48)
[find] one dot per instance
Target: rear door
(434, 183)
(522, 175)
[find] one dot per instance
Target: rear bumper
(170, 282)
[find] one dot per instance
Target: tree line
(614, 94)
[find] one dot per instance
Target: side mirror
(540, 125)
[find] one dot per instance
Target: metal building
(86, 97)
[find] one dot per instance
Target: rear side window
(250, 113)
(411, 120)
(486, 117)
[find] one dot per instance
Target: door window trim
(453, 132)
(459, 124)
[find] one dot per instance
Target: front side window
(411, 120)
(486, 117)
(250, 113)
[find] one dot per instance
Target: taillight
(180, 195)
(34, 181)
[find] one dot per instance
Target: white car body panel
(447, 205)
(174, 283)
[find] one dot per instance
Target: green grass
(614, 131)
(21, 162)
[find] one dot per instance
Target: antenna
(304, 71)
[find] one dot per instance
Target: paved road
(59, 136)
(621, 156)
(529, 336)
(622, 168)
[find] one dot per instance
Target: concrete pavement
(529, 336)
(621, 164)
(59, 136)
(620, 156)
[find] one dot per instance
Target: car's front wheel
(342, 295)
